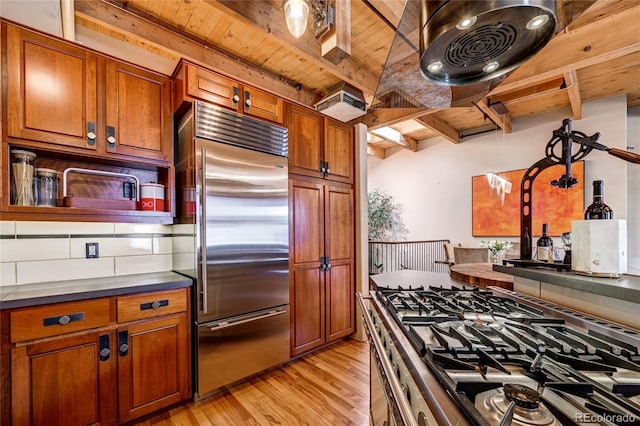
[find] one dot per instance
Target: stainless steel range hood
(468, 41)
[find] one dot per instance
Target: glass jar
(47, 187)
(23, 164)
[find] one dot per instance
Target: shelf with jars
(91, 189)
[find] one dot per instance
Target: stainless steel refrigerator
(232, 193)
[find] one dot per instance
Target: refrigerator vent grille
(218, 124)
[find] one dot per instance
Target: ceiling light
(491, 67)
(388, 133)
(537, 21)
(435, 66)
(296, 13)
(466, 23)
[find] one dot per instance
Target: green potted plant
(385, 222)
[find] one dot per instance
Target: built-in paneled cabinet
(99, 361)
(322, 263)
(194, 82)
(320, 146)
(61, 94)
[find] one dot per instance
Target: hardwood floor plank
(327, 387)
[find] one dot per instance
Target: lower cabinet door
(153, 365)
(66, 381)
(307, 317)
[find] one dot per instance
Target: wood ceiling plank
(390, 9)
(440, 127)
(196, 51)
(573, 91)
(271, 20)
(584, 46)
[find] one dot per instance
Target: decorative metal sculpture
(566, 136)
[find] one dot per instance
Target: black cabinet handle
(247, 99)
(111, 137)
(63, 319)
(235, 97)
(91, 133)
(123, 343)
(105, 351)
(154, 305)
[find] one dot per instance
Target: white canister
(599, 247)
(152, 197)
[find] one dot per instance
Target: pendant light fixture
(296, 13)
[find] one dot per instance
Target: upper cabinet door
(138, 115)
(339, 151)
(51, 90)
(262, 105)
(212, 87)
(305, 141)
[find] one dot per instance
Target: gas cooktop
(507, 359)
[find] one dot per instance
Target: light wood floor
(328, 387)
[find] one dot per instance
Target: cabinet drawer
(46, 321)
(149, 305)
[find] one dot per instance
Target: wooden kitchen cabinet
(194, 82)
(320, 146)
(64, 381)
(51, 90)
(61, 94)
(100, 361)
(322, 263)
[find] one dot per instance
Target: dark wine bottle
(598, 209)
(545, 245)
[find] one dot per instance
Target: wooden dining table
(480, 274)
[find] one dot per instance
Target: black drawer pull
(63, 319)
(154, 305)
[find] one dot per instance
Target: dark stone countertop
(627, 287)
(19, 296)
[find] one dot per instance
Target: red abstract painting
(552, 205)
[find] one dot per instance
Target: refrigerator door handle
(221, 325)
(203, 229)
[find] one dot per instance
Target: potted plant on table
(497, 249)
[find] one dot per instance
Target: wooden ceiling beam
(584, 46)
(159, 35)
(503, 121)
(440, 127)
(336, 46)
(573, 91)
(270, 20)
(375, 151)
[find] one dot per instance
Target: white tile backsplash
(34, 249)
(183, 244)
(184, 228)
(112, 247)
(58, 270)
(184, 261)
(121, 251)
(142, 264)
(7, 273)
(7, 227)
(162, 245)
(63, 228)
(142, 228)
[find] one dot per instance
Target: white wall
(434, 184)
(633, 192)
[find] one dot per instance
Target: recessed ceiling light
(491, 67)
(434, 66)
(537, 21)
(466, 23)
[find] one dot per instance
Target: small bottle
(545, 245)
(598, 209)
